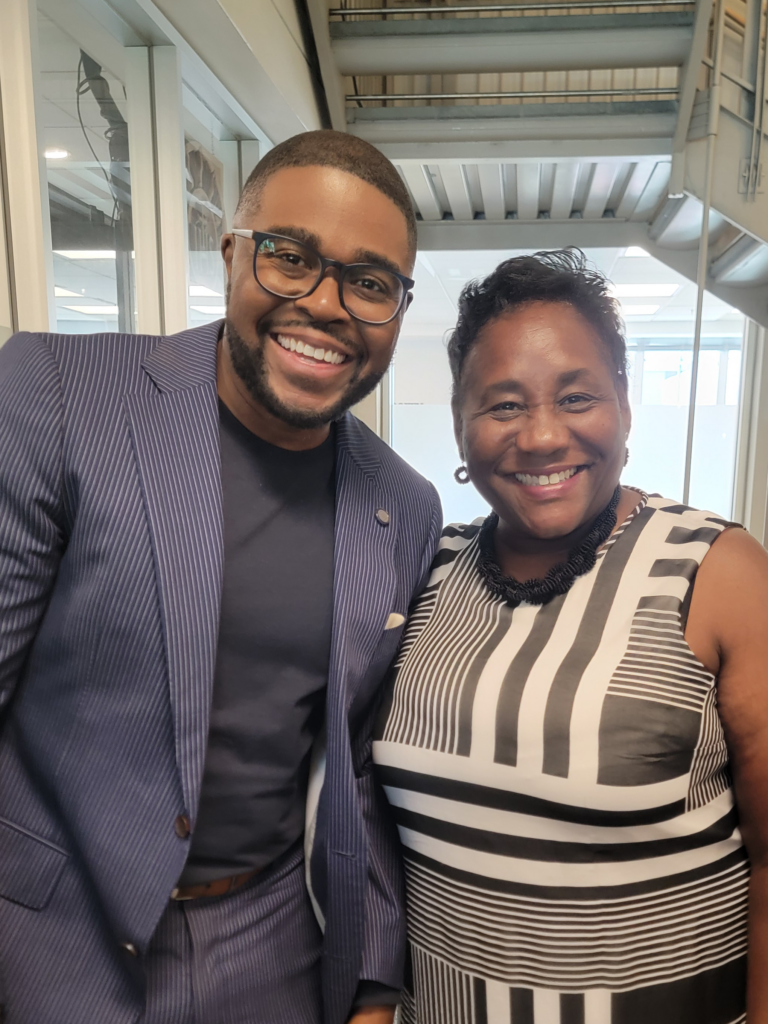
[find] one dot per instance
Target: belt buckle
(176, 895)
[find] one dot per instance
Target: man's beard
(250, 366)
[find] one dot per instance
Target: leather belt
(218, 887)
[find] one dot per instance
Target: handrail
(549, 6)
(536, 94)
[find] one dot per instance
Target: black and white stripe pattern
(560, 781)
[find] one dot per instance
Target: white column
(750, 505)
(6, 308)
(171, 186)
(28, 223)
(143, 200)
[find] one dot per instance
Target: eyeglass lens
(291, 270)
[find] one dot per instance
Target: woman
(559, 752)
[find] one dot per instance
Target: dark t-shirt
(274, 644)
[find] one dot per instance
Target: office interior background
(636, 131)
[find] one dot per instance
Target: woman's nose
(542, 432)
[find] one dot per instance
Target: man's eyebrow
(376, 258)
(309, 238)
(297, 234)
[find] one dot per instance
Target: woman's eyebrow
(573, 377)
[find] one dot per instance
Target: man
(202, 557)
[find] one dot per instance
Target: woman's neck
(530, 558)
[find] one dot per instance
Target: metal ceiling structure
(536, 125)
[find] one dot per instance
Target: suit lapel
(364, 562)
(175, 434)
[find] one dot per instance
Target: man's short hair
(345, 152)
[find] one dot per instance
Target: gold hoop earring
(461, 476)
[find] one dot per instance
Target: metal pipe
(450, 9)
(701, 272)
(760, 120)
(760, 72)
(509, 95)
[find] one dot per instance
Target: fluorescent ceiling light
(95, 310)
(643, 291)
(86, 254)
(200, 291)
(635, 250)
(217, 310)
(639, 310)
(62, 293)
(55, 153)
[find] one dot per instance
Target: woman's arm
(728, 632)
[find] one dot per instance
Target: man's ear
(228, 252)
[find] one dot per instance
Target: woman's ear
(458, 427)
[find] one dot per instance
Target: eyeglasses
(292, 270)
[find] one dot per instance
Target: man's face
(345, 219)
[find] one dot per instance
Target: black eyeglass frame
(325, 264)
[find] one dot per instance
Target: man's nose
(542, 432)
(324, 303)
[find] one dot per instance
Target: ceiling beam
(502, 47)
(492, 190)
(563, 191)
(518, 151)
(419, 181)
(455, 185)
(749, 300)
(528, 186)
(735, 258)
(537, 234)
(689, 80)
(603, 177)
(636, 183)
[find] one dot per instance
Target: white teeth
(543, 480)
(321, 355)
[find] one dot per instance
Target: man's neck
(254, 417)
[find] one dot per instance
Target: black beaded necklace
(560, 578)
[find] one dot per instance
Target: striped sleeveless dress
(559, 778)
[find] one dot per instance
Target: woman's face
(539, 420)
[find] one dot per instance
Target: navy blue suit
(110, 577)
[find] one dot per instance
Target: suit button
(129, 948)
(382, 516)
(181, 826)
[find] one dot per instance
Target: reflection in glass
(85, 134)
(205, 226)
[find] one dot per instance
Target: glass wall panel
(212, 177)
(84, 128)
(658, 306)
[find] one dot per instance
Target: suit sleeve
(31, 432)
(384, 938)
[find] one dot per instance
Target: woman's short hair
(562, 275)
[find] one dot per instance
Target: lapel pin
(382, 516)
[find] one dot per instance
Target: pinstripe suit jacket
(110, 575)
